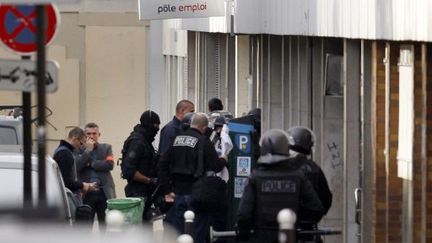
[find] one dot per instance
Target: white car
(12, 170)
(11, 186)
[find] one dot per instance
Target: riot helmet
(185, 123)
(274, 146)
(301, 139)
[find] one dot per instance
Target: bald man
(173, 128)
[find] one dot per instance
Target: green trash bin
(131, 207)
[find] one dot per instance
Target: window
(406, 112)
(8, 136)
(333, 75)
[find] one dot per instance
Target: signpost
(18, 27)
(21, 75)
(25, 29)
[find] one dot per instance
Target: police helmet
(274, 146)
(185, 123)
(301, 139)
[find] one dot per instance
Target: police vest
(274, 193)
(185, 154)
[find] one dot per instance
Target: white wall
(367, 19)
(103, 77)
(115, 84)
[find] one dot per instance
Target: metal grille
(217, 66)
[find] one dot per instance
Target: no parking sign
(18, 27)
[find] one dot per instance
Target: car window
(8, 135)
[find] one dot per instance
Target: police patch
(188, 141)
(278, 186)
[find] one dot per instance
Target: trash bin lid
(124, 203)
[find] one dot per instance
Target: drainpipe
(387, 123)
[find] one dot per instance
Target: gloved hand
(153, 181)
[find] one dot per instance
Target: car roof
(11, 121)
(10, 159)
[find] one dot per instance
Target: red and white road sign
(18, 27)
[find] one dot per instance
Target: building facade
(354, 72)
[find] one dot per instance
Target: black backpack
(124, 150)
(134, 136)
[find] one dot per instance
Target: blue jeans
(175, 217)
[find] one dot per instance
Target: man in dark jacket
(95, 162)
(173, 128)
(275, 184)
(63, 155)
(179, 169)
(139, 157)
(301, 142)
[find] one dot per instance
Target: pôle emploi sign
(172, 9)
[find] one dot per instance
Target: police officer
(301, 141)
(275, 184)
(172, 128)
(139, 157)
(178, 170)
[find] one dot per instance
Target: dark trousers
(175, 217)
(98, 201)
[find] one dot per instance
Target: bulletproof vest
(185, 152)
(275, 192)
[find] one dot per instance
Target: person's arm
(164, 174)
(245, 214)
(214, 163)
(166, 138)
(65, 162)
(82, 159)
(324, 192)
(131, 162)
(106, 163)
(310, 204)
(139, 177)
